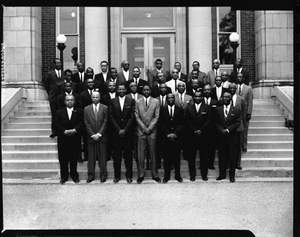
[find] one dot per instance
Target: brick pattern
(48, 39)
(248, 42)
(81, 35)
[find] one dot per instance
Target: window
(228, 21)
(68, 24)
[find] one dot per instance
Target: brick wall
(248, 42)
(48, 39)
(214, 33)
(81, 35)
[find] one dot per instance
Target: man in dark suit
(224, 77)
(171, 123)
(153, 73)
(136, 78)
(201, 76)
(80, 75)
(227, 119)
(198, 116)
(239, 69)
(113, 78)
(102, 77)
(192, 85)
(155, 90)
(69, 123)
(126, 74)
(181, 75)
(54, 76)
(218, 91)
(121, 114)
(95, 119)
(67, 91)
(68, 78)
(90, 75)
(147, 115)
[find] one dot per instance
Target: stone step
(32, 113)
(265, 106)
(35, 119)
(212, 174)
(37, 125)
(267, 112)
(28, 139)
(270, 145)
(29, 147)
(263, 101)
(34, 108)
(26, 132)
(29, 155)
(267, 123)
(269, 130)
(270, 137)
(36, 102)
(255, 118)
(268, 153)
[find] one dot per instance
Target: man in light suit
(147, 115)
(136, 78)
(153, 73)
(126, 74)
(239, 102)
(202, 77)
(246, 92)
(121, 114)
(171, 123)
(69, 124)
(227, 119)
(212, 74)
(95, 119)
(198, 116)
(239, 69)
(53, 77)
(173, 83)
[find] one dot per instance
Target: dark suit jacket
(202, 77)
(214, 92)
(189, 87)
(99, 77)
(155, 91)
(83, 86)
(76, 78)
(51, 84)
(121, 119)
(61, 101)
(233, 76)
(101, 83)
(93, 127)
(152, 76)
(106, 99)
(168, 125)
(122, 77)
(85, 99)
(60, 87)
(231, 123)
(62, 123)
(140, 85)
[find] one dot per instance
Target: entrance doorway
(141, 50)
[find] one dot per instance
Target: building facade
(143, 34)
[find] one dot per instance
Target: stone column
(200, 37)
(96, 45)
(23, 50)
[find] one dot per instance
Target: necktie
(175, 85)
(181, 99)
(81, 77)
(96, 112)
(226, 112)
(163, 101)
(146, 103)
(58, 73)
(240, 91)
(171, 112)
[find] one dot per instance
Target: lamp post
(234, 38)
(61, 40)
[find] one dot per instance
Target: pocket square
(203, 113)
(214, 106)
(127, 107)
(232, 114)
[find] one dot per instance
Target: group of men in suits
(125, 115)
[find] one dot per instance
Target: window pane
(135, 53)
(71, 52)
(227, 20)
(225, 50)
(161, 49)
(68, 20)
(147, 17)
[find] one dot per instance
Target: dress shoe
(220, 178)
(239, 167)
(140, 180)
(129, 180)
(102, 180)
(53, 135)
(192, 179)
(157, 179)
(179, 179)
(89, 180)
(116, 180)
(62, 181)
(244, 149)
(165, 180)
(212, 167)
(76, 180)
(232, 180)
(204, 178)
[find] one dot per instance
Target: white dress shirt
(219, 92)
(104, 75)
(122, 100)
(207, 101)
(197, 107)
(171, 110)
(234, 99)
(126, 75)
(134, 96)
(70, 110)
(217, 72)
(112, 95)
(163, 100)
(58, 73)
(226, 108)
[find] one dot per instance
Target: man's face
(95, 97)
(68, 76)
(240, 78)
(195, 84)
(175, 74)
(218, 81)
(111, 87)
(198, 97)
(146, 91)
(163, 89)
(232, 89)
(170, 99)
(68, 87)
(126, 65)
(216, 64)
(104, 67)
(69, 101)
(194, 74)
(226, 98)
(90, 83)
(181, 88)
(158, 65)
(238, 63)
(121, 90)
(160, 78)
(57, 64)
(196, 66)
(177, 66)
(133, 88)
(136, 73)
(207, 91)
(224, 76)
(113, 73)
(90, 73)
(80, 67)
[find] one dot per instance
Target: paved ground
(264, 207)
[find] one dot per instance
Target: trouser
(245, 134)
(171, 153)
(239, 149)
(227, 153)
(198, 145)
(68, 153)
(97, 150)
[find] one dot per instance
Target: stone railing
(284, 98)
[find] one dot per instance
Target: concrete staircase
(29, 153)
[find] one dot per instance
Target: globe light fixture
(234, 38)
(61, 40)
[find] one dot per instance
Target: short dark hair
(104, 62)
(55, 60)
(158, 60)
(113, 68)
(68, 70)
